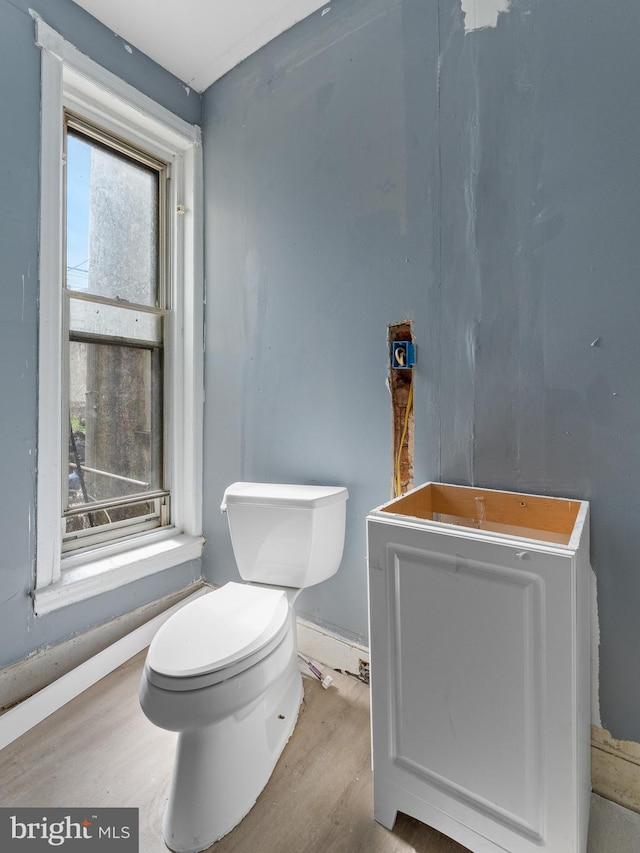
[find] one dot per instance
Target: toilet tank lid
(283, 494)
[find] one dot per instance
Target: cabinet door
(473, 686)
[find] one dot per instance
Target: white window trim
(71, 79)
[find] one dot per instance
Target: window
(120, 363)
(115, 305)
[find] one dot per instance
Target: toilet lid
(218, 629)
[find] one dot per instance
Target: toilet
(223, 670)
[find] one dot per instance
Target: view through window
(115, 310)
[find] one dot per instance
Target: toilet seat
(218, 635)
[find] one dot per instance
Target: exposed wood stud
(400, 386)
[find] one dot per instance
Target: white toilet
(223, 670)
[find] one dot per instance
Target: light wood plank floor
(101, 751)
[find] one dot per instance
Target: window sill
(105, 573)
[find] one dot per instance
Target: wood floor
(101, 751)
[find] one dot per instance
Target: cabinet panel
(467, 635)
(476, 682)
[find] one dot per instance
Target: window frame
(78, 128)
(71, 80)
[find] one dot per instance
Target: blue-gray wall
(377, 163)
(317, 236)
(20, 631)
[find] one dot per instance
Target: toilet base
(221, 769)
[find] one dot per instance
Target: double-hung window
(120, 361)
(115, 308)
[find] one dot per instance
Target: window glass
(115, 352)
(112, 223)
(116, 321)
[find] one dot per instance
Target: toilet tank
(286, 535)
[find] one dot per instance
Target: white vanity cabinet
(480, 666)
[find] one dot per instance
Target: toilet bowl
(223, 671)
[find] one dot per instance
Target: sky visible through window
(78, 173)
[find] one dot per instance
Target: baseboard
(316, 643)
(24, 716)
(20, 680)
(322, 646)
(615, 769)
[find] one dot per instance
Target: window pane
(86, 523)
(115, 430)
(114, 321)
(112, 223)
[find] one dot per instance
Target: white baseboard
(321, 646)
(314, 643)
(18, 720)
(20, 680)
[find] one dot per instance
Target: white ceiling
(199, 40)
